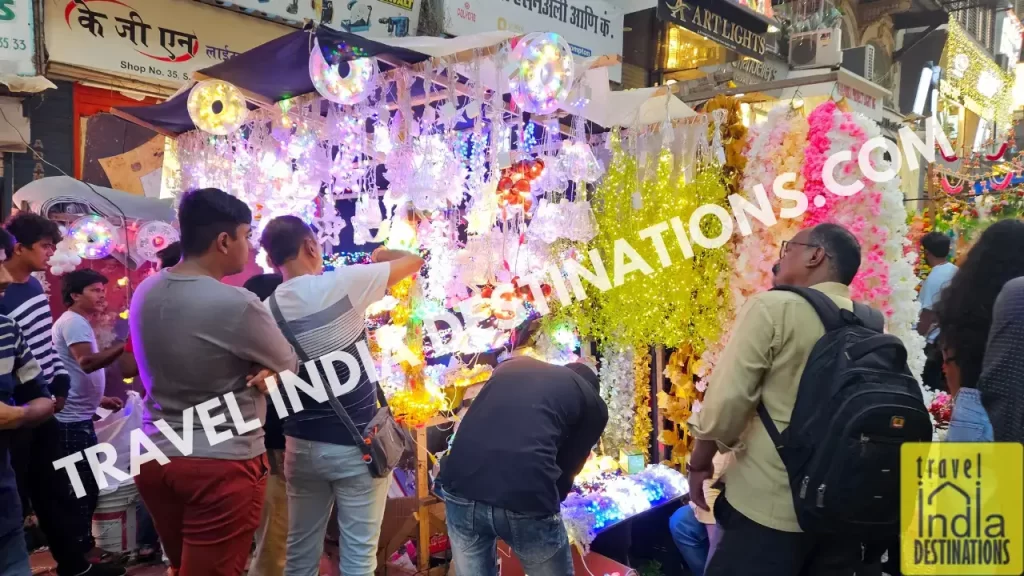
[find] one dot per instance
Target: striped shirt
(19, 383)
(326, 313)
(28, 305)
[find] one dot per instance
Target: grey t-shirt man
(197, 339)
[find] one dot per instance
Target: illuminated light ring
(217, 107)
(350, 89)
(544, 72)
(94, 237)
(153, 237)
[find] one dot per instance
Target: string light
(545, 72)
(982, 84)
(340, 259)
(682, 302)
(94, 236)
(217, 107)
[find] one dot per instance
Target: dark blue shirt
(20, 382)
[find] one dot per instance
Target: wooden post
(423, 495)
(657, 385)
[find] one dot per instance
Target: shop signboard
(159, 41)
(17, 38)
(742, 31)
(861, 95)
(591, 27)
(750, 72)
(369, 18)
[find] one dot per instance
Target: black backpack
(856, 404)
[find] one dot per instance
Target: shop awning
(272, 72)
(42, 195)
(279, 70)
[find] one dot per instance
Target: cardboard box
(400, 525)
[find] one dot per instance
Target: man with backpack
(815, 400)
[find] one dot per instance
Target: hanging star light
(328, 228)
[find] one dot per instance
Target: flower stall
(528, 186)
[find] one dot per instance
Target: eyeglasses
(787, 243)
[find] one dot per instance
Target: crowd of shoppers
(517, 449)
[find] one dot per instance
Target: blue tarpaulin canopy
(274, 71)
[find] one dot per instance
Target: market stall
(531, 190)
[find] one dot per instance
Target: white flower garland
(617, 390)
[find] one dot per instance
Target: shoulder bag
(384, 441)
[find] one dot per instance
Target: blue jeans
(319, 476)
(540, 543)
(969, 421)
(14, 554)
(691, 537)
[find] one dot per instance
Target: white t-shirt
(327, 313)
(86, 389)
(932, 286)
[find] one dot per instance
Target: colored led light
(94, 237)
(350, 89)
(545, 73)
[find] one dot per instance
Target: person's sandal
(148, 555)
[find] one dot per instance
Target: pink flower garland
(832, 131)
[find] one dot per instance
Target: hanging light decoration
(94, 236)
(349, 89)
(217, 107)
(153, 237)
(544, 72)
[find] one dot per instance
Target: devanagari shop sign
(17, 38)
(591, 27)
(158, 41)
(719, 20)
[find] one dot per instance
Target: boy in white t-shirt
(936, 248)
(85, 295)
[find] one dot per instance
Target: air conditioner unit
(817, 49)
(860, 61)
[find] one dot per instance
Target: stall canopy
(42, 195)
(279, 70)
(272, 72)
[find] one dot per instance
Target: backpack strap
(871, 318)
(829, 313)
(339, 410)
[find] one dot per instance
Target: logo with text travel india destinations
(962, 508)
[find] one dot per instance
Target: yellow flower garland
(677, 404)
(642, 425)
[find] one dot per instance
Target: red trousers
(205, 510)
